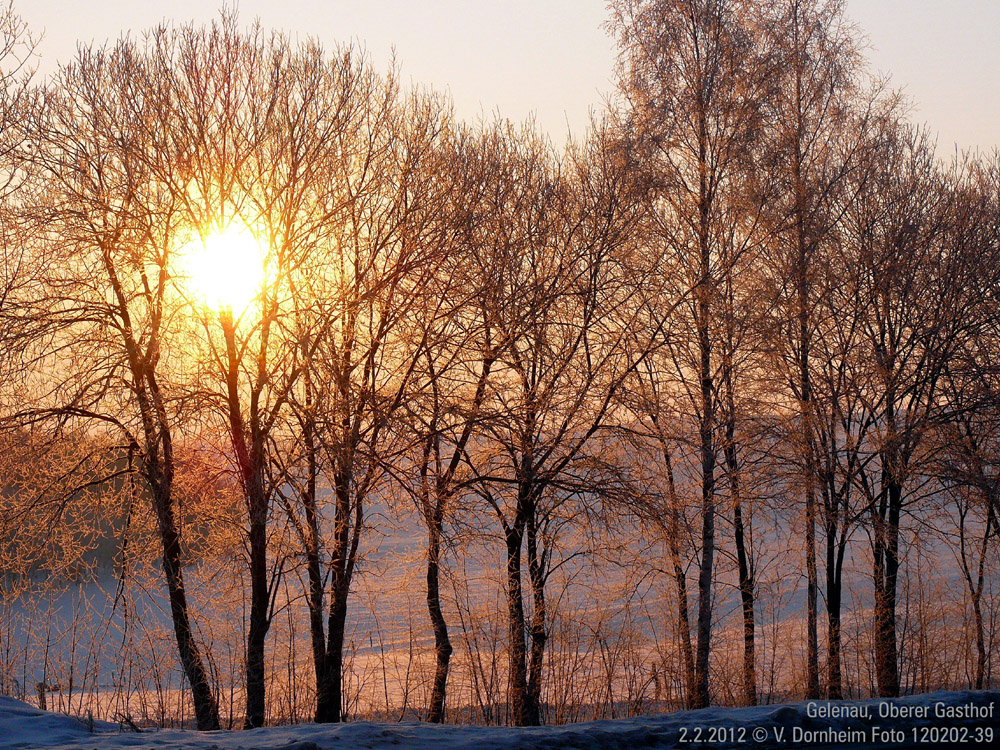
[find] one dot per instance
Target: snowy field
(952, 719)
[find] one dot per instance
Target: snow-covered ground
(944, 719)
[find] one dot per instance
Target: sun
(226, 269)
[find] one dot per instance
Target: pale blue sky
(551, 57)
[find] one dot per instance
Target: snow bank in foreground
(944, 719)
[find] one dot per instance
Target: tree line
(749, 320)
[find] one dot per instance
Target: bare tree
(918, 260)
(382, 247)
(111, 209)
(694, 76)
(824, 123)
(964, 453)
(561, 239)
(451, 380)
(220, 133)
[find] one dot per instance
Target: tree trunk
(329, 688)
(746, 592)
(704, 635)
(886, 574)
(314, 596)
(812, 593)
(259, 619)
(159, 470)
(976, 589)
(680, 580)
(977, 609)
(517, 687)
(707, 451)
(834, 675)
(206, 709)
(802, 242)
(746, 582)
(835, 550)
(683, 624)
(442, 644)
(250, 459)
(433, 513)
(977, 600)
(538, 633)
(808, 449)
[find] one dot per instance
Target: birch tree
(694, 75)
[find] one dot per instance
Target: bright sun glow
(227, 269)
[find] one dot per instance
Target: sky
(551, 59)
